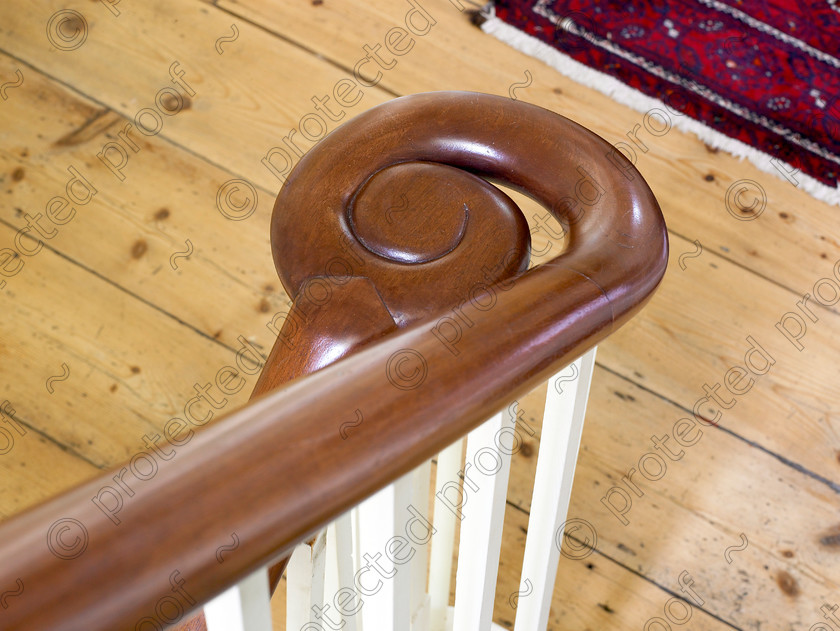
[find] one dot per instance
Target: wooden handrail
(445, 327)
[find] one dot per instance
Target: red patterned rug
(759, 78)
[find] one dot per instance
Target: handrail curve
(427, 353)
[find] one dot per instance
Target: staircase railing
(415, 319)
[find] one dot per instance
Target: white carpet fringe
(631, 97)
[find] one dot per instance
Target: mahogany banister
(407, 267)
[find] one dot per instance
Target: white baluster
(319, 570)
(419, 564)
(443, 542)
(244, 607)
(305, 582)
(565, 408)
(381, 516)
(298, 587)
(345, 551)
(331, 580)
(486, 470)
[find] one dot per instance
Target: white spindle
(344, 550)
(331, 579)
(319, 566)
(419, 564)
(486, 470)
(565, 407)
(305, 582)
(244, 607)
(443, 543)
(387, 601)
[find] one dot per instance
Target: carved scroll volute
(413, 239)
(386, 223)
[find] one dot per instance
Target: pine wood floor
(130, 330)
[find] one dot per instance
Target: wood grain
(200, 144)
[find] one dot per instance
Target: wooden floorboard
(138, 330)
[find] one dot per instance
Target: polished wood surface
(137, 334)
(412, 393)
